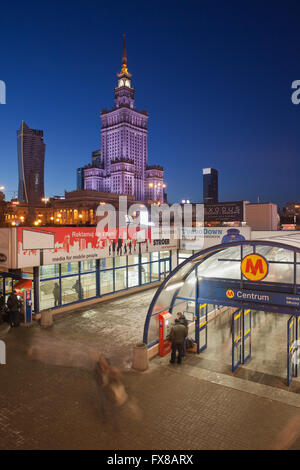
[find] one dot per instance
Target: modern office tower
(124, 148)
(97, 158)
(79, 178)
(210, 185)
(31, 158)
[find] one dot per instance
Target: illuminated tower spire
(124, 58)
(124, 93)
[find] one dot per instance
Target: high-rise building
(31, 157)
(97, 158)
(210, 185)
(79, 178)
(124, 148)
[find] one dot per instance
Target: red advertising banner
(67, 244)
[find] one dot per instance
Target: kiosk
(164, 319)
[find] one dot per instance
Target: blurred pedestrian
(111, 388)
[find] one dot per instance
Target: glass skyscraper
(210, 185)
(31, 158)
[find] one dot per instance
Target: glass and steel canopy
(222, 264)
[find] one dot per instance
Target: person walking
(14, 306)
(111, 389)
(56, 294)
(177, 335)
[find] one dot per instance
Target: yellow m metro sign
(254, 267)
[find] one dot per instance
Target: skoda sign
(254, 267)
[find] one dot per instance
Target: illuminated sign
(254, 267)
(224, 212)
(230, 294)
(236, 297)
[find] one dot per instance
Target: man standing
(177, 335)
(184, 322)
(14, 309)
(56, 294)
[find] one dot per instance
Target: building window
(49, 271)
(88, 283)
(71, 289)
(155, 271)
(146, 273)
(49, 294)
(87, 266)
(106, 282)
(182, 255)
(69, 268)
(74, 282)
(133, 276)
(120, 279)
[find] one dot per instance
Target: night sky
(214, 76)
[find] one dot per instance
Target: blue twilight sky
(215, 77)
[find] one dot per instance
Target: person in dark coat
(119, 246)
(78, 288)
(177, 335)
(14, 306)
(182, 319)
(184, 322)
(56, 294)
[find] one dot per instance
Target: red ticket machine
(24, 288)
(164, 319)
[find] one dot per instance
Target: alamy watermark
(296, 94)
(2, 92)
(158, 221)
(2, 352)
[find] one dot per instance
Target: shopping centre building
(71, 265)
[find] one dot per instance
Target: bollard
(46, 318)
(140, 357)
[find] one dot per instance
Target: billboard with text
(68, 244)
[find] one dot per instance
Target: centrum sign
(242, 295)
(215, 294)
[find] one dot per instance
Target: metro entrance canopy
(268, 279)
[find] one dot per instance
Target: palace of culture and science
(121, 166)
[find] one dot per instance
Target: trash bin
(46, 318)
(140, 357)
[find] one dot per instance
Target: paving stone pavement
(49, 399)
